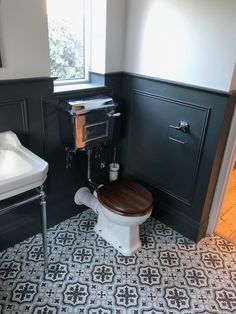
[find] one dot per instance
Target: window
(68, 38)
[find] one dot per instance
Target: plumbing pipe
(84, 197)
(91, 183)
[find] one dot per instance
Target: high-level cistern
(87, 123)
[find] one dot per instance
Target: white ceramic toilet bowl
(121, 232)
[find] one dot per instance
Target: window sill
(58, 89)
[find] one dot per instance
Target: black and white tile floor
(170, 274)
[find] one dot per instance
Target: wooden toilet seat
(125, 198)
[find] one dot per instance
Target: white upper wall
(23, 39)
(115, 35)
(187, 41)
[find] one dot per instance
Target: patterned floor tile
(169, 275)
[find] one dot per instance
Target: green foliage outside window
(66, 52)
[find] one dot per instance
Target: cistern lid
(125, 198)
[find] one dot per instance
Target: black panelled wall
(179, 168)
(28, 107)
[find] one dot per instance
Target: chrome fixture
(91, 183)
(87, 123)
(41, 196)
(183, 126)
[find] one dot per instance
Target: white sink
(20, 169)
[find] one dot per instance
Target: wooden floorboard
(226, 226)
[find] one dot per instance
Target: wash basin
(20, 169)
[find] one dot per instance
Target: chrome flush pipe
(91, 183)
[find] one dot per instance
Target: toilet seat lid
(125, 198)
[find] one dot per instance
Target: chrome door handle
(183, 126)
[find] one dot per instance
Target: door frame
(227, 165)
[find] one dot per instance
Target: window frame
(86, 52)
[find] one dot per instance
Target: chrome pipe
(6, 210)
(91, 183)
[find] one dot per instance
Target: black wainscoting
(28, 108)
(21, 110)
(179, 168)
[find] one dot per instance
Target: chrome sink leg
(44, 227)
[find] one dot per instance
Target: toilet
(121, 206)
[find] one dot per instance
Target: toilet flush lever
(183, 126)
(112, 114)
